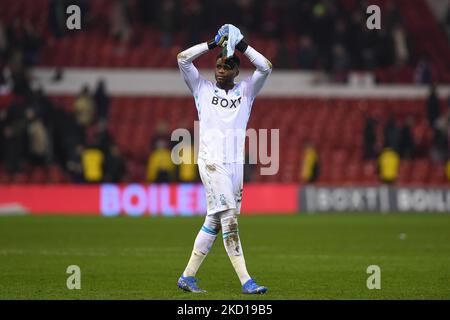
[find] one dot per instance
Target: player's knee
(229, 222)
(213, 224)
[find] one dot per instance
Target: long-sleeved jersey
(223, 116)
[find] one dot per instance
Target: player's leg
(229, 220)
(213, 178)
(202, 245)
(232, 244)
(233, 247)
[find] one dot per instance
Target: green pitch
(297, 257)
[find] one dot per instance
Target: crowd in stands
(397, 143)
(310, 34)
(313, 34)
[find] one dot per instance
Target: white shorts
(223, 184)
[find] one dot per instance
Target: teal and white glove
(222, 36)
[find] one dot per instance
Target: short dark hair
(231, 61)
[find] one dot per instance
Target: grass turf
(297, 257)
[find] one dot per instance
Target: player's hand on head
(222, 36)
(234, 37)
(228, 36)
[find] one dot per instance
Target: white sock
(239, 266)
(232, 244)
(194, 263)
(203, 243)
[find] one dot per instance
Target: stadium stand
(335, 125)
(146, 47)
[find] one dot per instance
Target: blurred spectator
(307, 54)
(424, 73)
(340, 64)
(101, 137)
(114, 166)
(447, 170)
(120, 20)
(84, 107)
(406, 140)
(66, 135)
(14, 137)
(388, 163)
(17, 74)
(57, 17)
(370, 139)
(440, 147)
(74, 164)
(102, 101)
(3, 41)
(160, 167)
(6, 95)
(448, 102)
(32, 42)
(310, 163)
(391, 134)
(38, 141)
(401, 45)
(433, 106)
(93, 160)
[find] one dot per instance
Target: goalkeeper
(223, 109)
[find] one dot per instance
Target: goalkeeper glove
(222, 36)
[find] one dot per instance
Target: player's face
(224, 73)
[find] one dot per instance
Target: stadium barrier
(189, 199)
(374, 199)
(138, 199)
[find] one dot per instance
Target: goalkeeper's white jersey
(223, 116)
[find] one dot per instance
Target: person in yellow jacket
(92, 161)
(160, 167)
(310, 163)
(388, 163)
(447, 170)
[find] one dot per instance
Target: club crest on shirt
(225, 103)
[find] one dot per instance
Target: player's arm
(262, 64)
(185, 62)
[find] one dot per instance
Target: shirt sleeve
(189, 72)
(262, 72)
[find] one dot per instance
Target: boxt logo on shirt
(225, 103)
